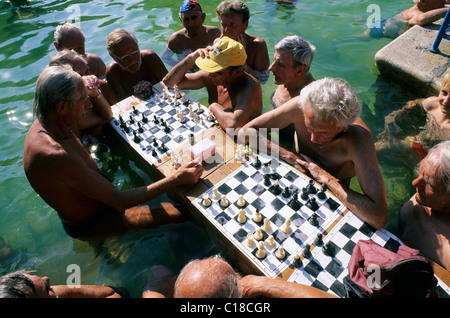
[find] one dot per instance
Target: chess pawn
(182, 119)
(196, 118)
(280, 253)
(210, 116)
(224, 201)
(298, 261)
(257, 217)
(241, 201)
(260, 253)
(241, 216)
(250, 240)
(287, 226)
(157, 98)
(199, 108)
(176, 102)
(267, 226)
(270, 242)
(206, 201)
(183, 97)
(215, 194)
(258, 234)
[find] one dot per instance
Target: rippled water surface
(32, 229)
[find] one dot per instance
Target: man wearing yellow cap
(235, 97)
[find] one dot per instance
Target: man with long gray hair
(62, 172)
(332, 143)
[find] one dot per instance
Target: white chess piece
(280, 253)
(287, 226)
(250, 240)
(241, 201)
(258, 234)
(191, 112)
(215, 194)
(206, 201)
(182, 119)
(183, 97)
(260, 253)
(270, 241)
(257, 217)
(224, 201)
(266, 226)
(241, 217)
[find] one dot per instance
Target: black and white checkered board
(153, 128)
(249, 181)
(325, 268)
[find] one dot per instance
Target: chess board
(326, 269)
(314, 253)
(261, 195)
(154, 128)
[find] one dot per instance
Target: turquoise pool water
(32, 229)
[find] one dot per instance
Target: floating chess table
(269, 218)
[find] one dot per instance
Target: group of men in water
(318, 120)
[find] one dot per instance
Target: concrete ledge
(408, 62)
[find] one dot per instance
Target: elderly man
(69, 36)
(425, 218)
(133, 71)
(213, 277)
(234, 16)
(235, 97)
(193, 36)
(21, 284)
(332, 143)
(63, 173)
(291, 63)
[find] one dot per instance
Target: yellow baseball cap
(227, 52)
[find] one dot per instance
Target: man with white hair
(425, 218)
(70, 37)
(332, 143)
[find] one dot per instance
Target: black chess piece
(155, 119)
(313, 220)
(136, 137)
(312, 204)
(311, 188)
(276, 189)
(166, 128)
(163, 148)
(154, 153)
(305, 194)
(328, 249)
(306, 251)
(144, 118)
(155, 142)
(295, 203)
(131, 120)
(319, 241)
(298, 262)
(322, 195)
(135, 110)
(267, 180)
(140, 129)
(257, 163)
(286, 193)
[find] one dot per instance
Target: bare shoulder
(431, 103)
